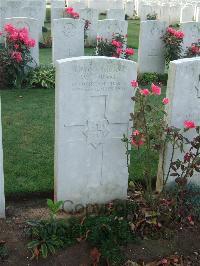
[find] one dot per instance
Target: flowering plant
(152, 16)
(114, 48)
(148, 127)
(193, 50)
(70, 13)
(173, 40)
(183, 169)
(86, 28)
(151, 135)
(16, 54)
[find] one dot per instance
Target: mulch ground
(185, 243)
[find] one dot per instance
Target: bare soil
(185, 242)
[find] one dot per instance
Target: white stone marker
(68, 38)
(33, 27)
(129, 8)
(118, 14)
(2, 17)
(151, 48)
(108, 27)
(183, 90)
(2, 195)
(192, 33)
(187, 13)
(57, 13)
(91, 15)
(93, 104)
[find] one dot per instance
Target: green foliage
(148, 78)
(3, 251)
(152, 16)
(47, 237)
(114, 48)
(107, 232)
(192, 200)
(42, 77)
(54, 207)
(4, 75)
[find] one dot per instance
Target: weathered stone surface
(93, 104)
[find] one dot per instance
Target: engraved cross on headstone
(98, 128)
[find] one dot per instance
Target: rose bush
(193, 50)
(173, 40)
(16, 53)
(151, 134)
(114, 48)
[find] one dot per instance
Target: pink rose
(189, 124)
(17, 56)
(116, 43)
(134, 83)
(129, 51)
(155, 89)
(145, 92)
(165, 101)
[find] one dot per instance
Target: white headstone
(118, 14)
(151, 48)
(187, 13)
(108, 27)
(13, 8)
(91, 15)
(33, 27)
(57, 13)
(92, 114)
(68, 38)
(191, 33)
(165, 13)
(2, 195)
(129, 8)
(183, 90)
(57, 3)
(2, 17)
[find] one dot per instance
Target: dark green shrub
(149, 78)
(41, 77)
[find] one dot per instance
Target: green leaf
(44, 250)
(33, 244)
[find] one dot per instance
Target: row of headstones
(95, 25)
(171, 13)
(68, 34)
(31, 9)
(101, 6)
(91, 116)
(151, 48)
(93, 14)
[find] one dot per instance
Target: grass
(28, 139)
(28, 133)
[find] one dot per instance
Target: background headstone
(191, 33)
(118, 14)
(151, 47)
(93, 104)
(108, 27)
(91, 15)
(68, 38)
(183, 90)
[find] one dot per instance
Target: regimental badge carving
(96, 131)
(69, 30)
